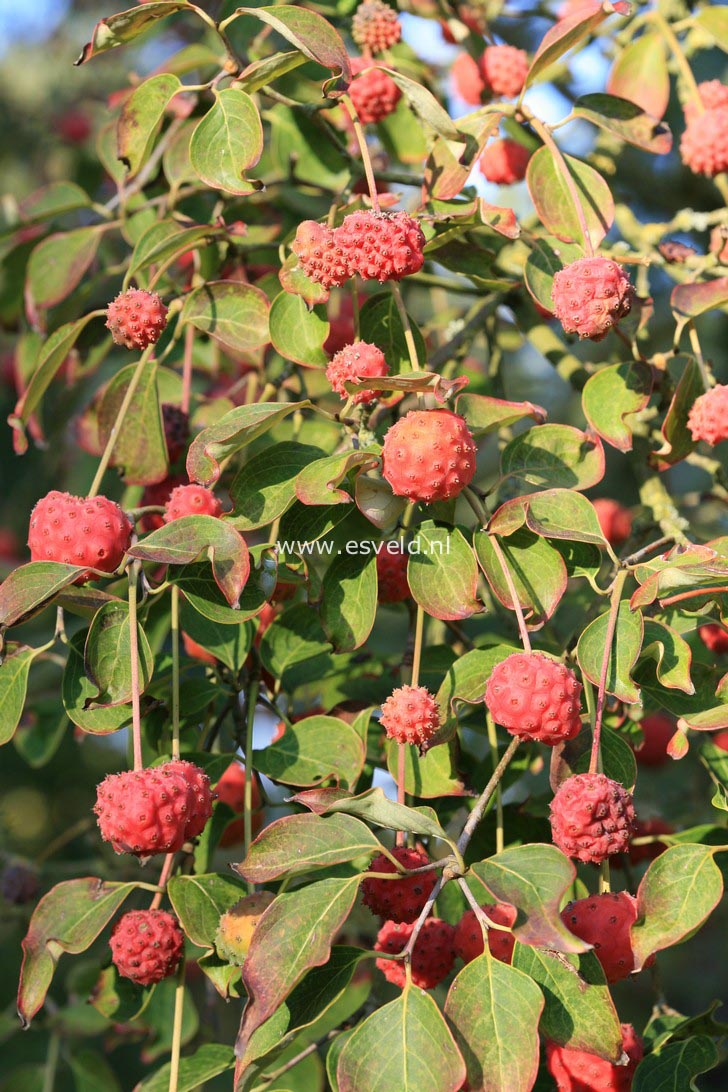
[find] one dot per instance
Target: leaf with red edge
(294, 281)
(555, 206)
(551, 456)
(235, 430)
(640, 74)
(295, 933)
(443, 573)
(117, 30)
(227, 141)
(450, 163)
(184, 540)
(485, 414)
(537, 569)
(677, 439)
(613, 395)
(414, 383)
(32, 586)
(67, 919)
(141, 118)
(308, 32)
(626, 120)
(688, 301)
(565, 35)
(233, 314)
(318, 482)
(501, 220)
(298, 843)
(555, 513)
(58, 264)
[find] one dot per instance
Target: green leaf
(672, 654)
(298, 332)
(119, 29)
(208, 1061)
(641, 75)
(424, 105)
(614, 394)
(92, 1071)
(449, 163)
(546, 258)
(534, 879)
(579, 1011)
(623, 654)
(375, 807)
(294, 934)
(427, 776)
(308, 32)
(228, 141)
(677, 438)
(140, 450)
(51, 201)
(141, 117)
(677, 894)
(199, 587)
(674, 1066)
(200, 901)
(316, 483)
(166, 240)
(107, 656)
(264, 71)
(405, 1045)
(494, 1010)
(537, 569)
(234, 430)
(266, 485)
(31, 586)
(486, 415)
(77, 691)
(14, 671)
(443, 572)
(312, 750)
(715, 21)
(233, 314)
(553, 456)
(228, 644)
(58, 264)
(184, 540)
(294, 637)
(555, 513)
(67, 919)
(562, 37)
(552, 198)
(297, 843)
(380, 324)
(349, 600)
(572, 757)
(626, 120)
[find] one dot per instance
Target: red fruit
(79, 531)
(720, 739)
(358, 361)
(374, 94)
(176, 430)
(504, 162)
(429, 455)
(704, 144)
(535, 698)
(399, 900)
(155, 810)
(381, 246)
(708, 417)
(577, 1071)
(604, 921)
(157, 496)
(713, 95)
(411, 715)
(75, 127)
(191, 500)
(320, 255)
(231, 790)
(592, 817)
(136, 318)
(146, 946)
(590, 296)
(643, 829)
(504, 69)
(614, 519)
(375, 26)
(657, 729)
(467, 79)
(714, 637)
(392, 583)
(432, 958)
(195, 651)
(468, 940)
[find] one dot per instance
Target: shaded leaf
(623, 654)
(550, 193)
(553, 456)
(537, 569)
(381, 325)
(312, 750)
(547, 256)
(141, 117)
(58, 264)
(140, 450)
(675, 1065)
(107, 656)
(554, 513)
(200, 901)
(614, 394)
(297, 843)
(427, 776)
(375, 807)
(617, 758)
(294, 637)
(233, 314)
(626, 119)
(677, 438)
(208, 1061)
(672, 654)
(424, 105)
(298, 332)
(237, 428)
(443, 573)
(349, 600)
(30, 586)
(308, 32)
(77, 691)
(266, 485)
(14, 670)
(199, 587)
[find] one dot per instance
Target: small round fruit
(146, 946)
(399, 900)
(592, 817)
(429, 455)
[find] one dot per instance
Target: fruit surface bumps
(604, 921)
(504, 69)
(535, 697)
(146, 945)
(468, 938)
(191, 500)
(411, 715)
(381, 246)
(429, 455)
(79, 531)
(375, 26)
(136, 318)
(399, 900)
(592, 817)
(590, 296)
(708, 416)
(374, 94)
(704, 143)
(361, 360)
(432, 957)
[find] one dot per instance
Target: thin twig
(608, 642)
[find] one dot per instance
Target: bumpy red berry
(176, 430)
(79, 531)
(534, 698)
(195, 651)
(468, 939)
(375, 26)
(146, 946)
(358, 361)
(191, 500)
(714, 637)
(657, 730)
(381, 246)
(704, 144)
(155, 810)
(604, 921)
(392, 583)
(720, 739)
(136, 318)
(403, 899)
(504, 162)
(504, 69)
(374, 94)
(590, 296)
(411, 715)
(708, 417)
(713, 95)
(592, 817)
(320, 256)
(237, 926)
(614, 519)
(467, 79)
(432, 957)
(429, 455)
(577, 1071)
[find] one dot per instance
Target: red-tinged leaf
(31, 586)
(294, 281)
(640, 74)
(534, 879)
(625, 119)
(373, 806)
(184, 540)
(166, 241)
(494, 1010)
(714, 19)
(377, 503)
(67, 919)
(308, 32)
(450, 163)
(501, 220)
(555, 513)
(443, 573)
(414, 382)
(537, 569)
(678, 441)
(140, 450)
(14, 670)
(679, 891)
(547, 257)
(199, 901)
(295, 933)
(554, 203)
(553, 456)
(318, 482)
(424, 104)
(237, 428)
(485, 414)
(299, 843)
(564, 35)
(51, 201)
(405, 1045)
(688, 301)
(141, 117)
(117, 30)
(624, 652)
(227, 142)
(233, 314)
(58, 264)
(612, 395)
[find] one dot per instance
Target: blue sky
(19, 21)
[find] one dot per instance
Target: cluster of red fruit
(378, 246)
(500, 72)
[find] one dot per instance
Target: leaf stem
(404, 318)
(179, 1004)
(251, 701)
(608, 642)
(508, 576)
(187, 369)
(493, 742)
(162, 882)
(120, 417)
(136, 720)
